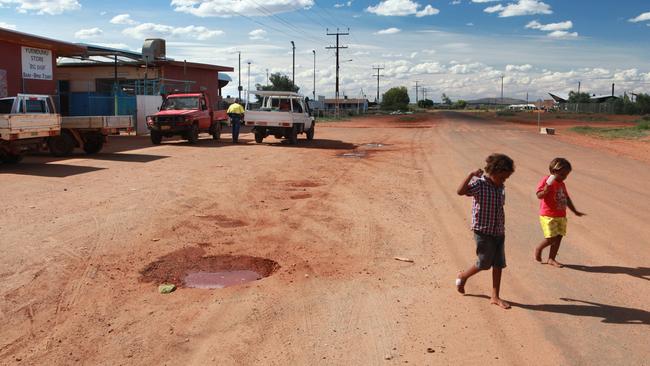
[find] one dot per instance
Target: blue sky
(457, 47)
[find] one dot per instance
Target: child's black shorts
(490, 251)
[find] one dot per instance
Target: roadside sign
(37, 63)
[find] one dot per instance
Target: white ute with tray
(281, 114)
(27, 121)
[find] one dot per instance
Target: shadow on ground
(608, 313)
(638, 272)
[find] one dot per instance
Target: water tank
(153, 49)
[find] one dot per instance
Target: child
(488, 221)
(552, 209)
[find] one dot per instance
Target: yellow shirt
(235, 108)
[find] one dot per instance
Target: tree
(575, 97)
(445, 99)
(460, 104)
(425, 103)
(643, 103)
(395, 98)
(279, 82)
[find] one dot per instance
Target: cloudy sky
(458, 47)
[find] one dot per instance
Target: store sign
(37, 63)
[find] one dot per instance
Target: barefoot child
(554, 199)
(488, 221)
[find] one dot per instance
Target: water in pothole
(220, 279)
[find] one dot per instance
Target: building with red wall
(28, 63)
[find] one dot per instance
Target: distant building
(349, 105)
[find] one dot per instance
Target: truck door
(204, 114)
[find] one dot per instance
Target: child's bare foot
(502, 304)
(538, 255)
(555, 263)
(460, 284)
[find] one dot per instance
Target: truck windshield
(180, 103)
(5, 105)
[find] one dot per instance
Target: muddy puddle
(211, 280)
(191, 267)
(353, 155)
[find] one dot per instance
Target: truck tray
(94, 122)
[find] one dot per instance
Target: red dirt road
(77, 235)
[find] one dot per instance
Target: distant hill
(505, 101)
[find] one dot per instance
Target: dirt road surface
(79, 237)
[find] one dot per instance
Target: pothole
(354, 155)
(223, 221)
(189, 267)
(305, 184)
(300, 196)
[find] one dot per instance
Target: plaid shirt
(487, 206)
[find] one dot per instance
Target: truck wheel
(293, 134)
(216, 131)
(193, 134)
(310, 131)
(94, 143)
(156, 137)
(61, 145)
(259, 137)
(9, 158)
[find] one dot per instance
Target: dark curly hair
(498, 163)
(559, 164)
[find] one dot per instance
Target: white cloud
(455, 2)
(413, 54)
(641, 18)
(229, 8)
(521, 7)
(149, 30)
(7, 25)
(521, 68)
(401, 8)
(563, 34)
(484, 1)
(388, 31)
(556, 30)
(428, 68)
(551, 26)
(467, 68)
(119, 46)
(51, 7)
(123, 19)
(88, 33)
(257, 34)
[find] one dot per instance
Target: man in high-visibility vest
(236, 114)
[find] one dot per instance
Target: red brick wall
(11, 62)
(204, 79)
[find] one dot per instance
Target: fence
(93, 104)
(608, 108)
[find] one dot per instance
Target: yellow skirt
(553, 226)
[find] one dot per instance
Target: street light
(239, 80)
(293, 75)
(248, 91)
(314, 51)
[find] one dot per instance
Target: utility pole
(501, 89)
(378, 75)
(578, 87)
(337, 47)
(267, 77)
(293, 75)
(424, 93)
(314, 51)
(416, 92)
(239, 81)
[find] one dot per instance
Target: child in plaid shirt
(488, 221)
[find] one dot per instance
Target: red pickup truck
(187, 115)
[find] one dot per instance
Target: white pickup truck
(26, 124)
(281, 114)
(87, 132)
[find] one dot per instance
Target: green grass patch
(640, 130)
